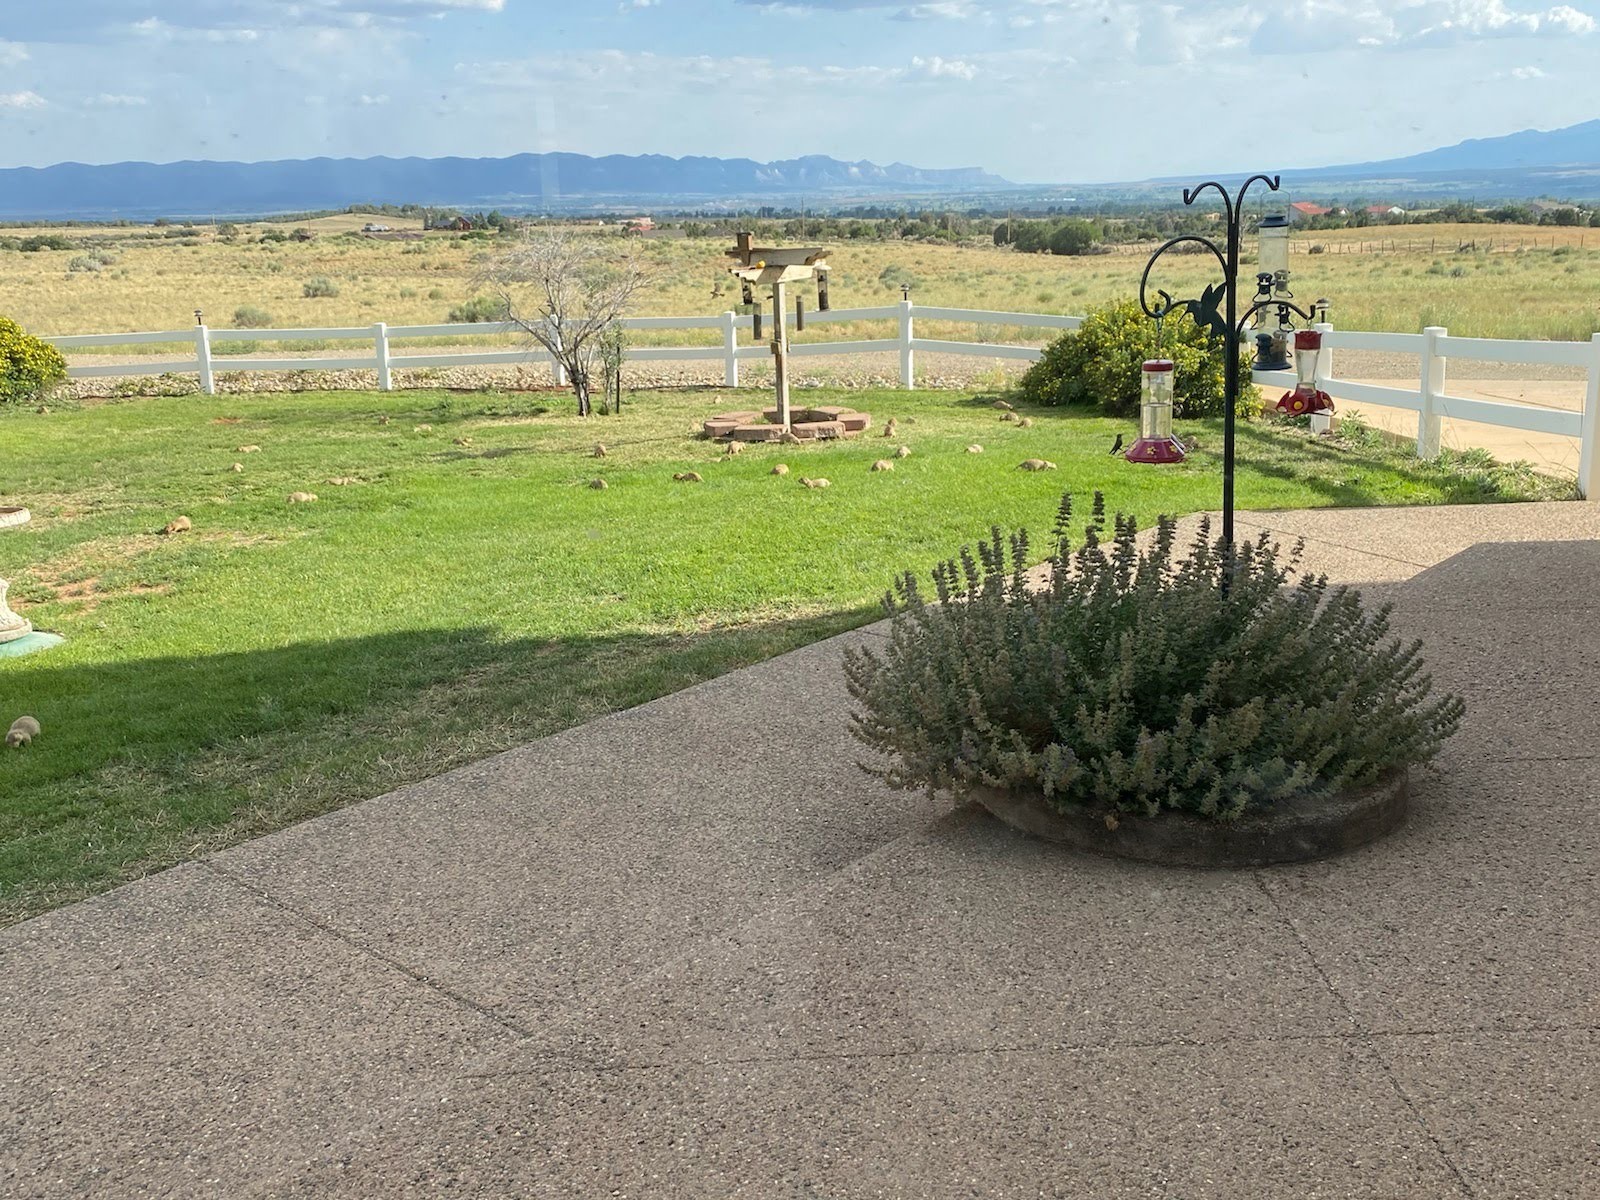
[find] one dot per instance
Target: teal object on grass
(34, 641)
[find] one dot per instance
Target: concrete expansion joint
(1363, 1039)
(262, 896)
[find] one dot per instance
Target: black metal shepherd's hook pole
(1226, 325)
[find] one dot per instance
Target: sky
(1045, 91)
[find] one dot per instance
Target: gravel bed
(952, 371)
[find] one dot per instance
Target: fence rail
(1433, 347)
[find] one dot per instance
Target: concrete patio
(613, 964)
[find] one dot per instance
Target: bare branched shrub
(564, 290)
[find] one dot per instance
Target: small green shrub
(1100, 363)
(1132, 681)
(320, 288)
(248, 316)
(46, 241)
(1072, 237)
(478, 309)
(29, 367)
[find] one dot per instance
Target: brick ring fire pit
(807, 424)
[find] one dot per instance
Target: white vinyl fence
(1434, 347)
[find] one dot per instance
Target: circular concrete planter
(10, 515)
(1294, 831)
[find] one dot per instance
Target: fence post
(1432, 385)
(1323, 422)
(558, 373)
(1589, 453)
(908, 358)
(730, 350)
(380, 336)
(202, 353)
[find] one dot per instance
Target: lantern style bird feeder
(1157, 443)
(1306, 399)
(777, 267)
(1272, 283)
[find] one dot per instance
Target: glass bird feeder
(1156, 443)
(1306, 399)
(1272, 280)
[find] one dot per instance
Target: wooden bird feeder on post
(777, 267)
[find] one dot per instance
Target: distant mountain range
(523, 181)
(1563, 163)
(1532, 149)
(1559, 162)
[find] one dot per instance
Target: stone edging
(1294, 831)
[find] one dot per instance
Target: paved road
(690, 951)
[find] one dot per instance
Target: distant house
(458, 224)
(371, 227)
(1302, 210)
(639, 225)
(1385, 210)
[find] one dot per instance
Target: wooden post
(1589, 446)
(780, 354)
(1323, 422)
(908, 357)
(380, 338)
(1432, 380)
(730, 350)
(202, 353)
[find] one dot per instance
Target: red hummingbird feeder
(1306, 399)
(1157, 443)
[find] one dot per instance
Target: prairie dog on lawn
(23, 731)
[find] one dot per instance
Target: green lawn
(280, 660)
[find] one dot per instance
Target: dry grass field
(1478, 280)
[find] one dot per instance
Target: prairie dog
(1026, 423)
(1002, 404)
(249, 449)
(903, 452)
(23, 731)
(599, 450)
(1035, 464)
(302, 497)
(181, 525)
(813, 483)
(734, 448)
(1008, 416)
(688, 477)
(598, 485)
(974, 449)
(883, 464)
(780, 469)
(889, 428)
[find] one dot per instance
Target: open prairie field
(1478, 280)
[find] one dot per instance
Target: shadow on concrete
(144, 761)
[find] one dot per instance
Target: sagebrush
(1130, 679)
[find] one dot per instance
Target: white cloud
(367, 101)
(116, 100)
(12, 53)
(18, 100)
(1336, 24)
(943, 68)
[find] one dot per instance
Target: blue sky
(1037, 90)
